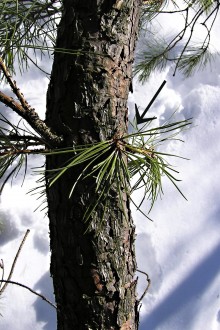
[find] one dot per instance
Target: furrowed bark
(93, 272)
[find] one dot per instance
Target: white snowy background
(179, 250)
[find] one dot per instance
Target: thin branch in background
(22, 152)
(3, 270)
(26, 287)
(189, 58)
(14, 262)
(15, 137)
(148, 285)
(8, 281)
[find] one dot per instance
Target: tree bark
(92, 264)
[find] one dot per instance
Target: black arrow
(141, 119)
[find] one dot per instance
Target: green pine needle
(128, 164)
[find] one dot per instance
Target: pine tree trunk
(93, 271)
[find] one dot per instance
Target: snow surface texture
(180, 250)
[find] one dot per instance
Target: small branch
(10, 102)
(3, 270)
(13, 86)
(19, 146)
(8, 281)
(26, 287)
(23, 138)
(24, 110)
(14, 262)
(21, 151)
(190, 22)
(19, 143)
(148, 285)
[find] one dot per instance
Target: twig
(24, 110)
(26, 287)
(10, 102)
(21, 152)
(8, 281)
(23, 138)
(3, 270)
(14, 262)
(148, 285)
(189, 25)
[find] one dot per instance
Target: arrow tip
(139, 118)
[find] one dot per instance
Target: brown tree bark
(93, 271)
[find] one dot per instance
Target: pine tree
(90, 158)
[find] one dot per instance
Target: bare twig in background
(148, 285)
(14, 262)
(8, 281)
(2, 267)
(161, 51)
(26, 287)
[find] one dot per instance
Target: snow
(179, 250)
